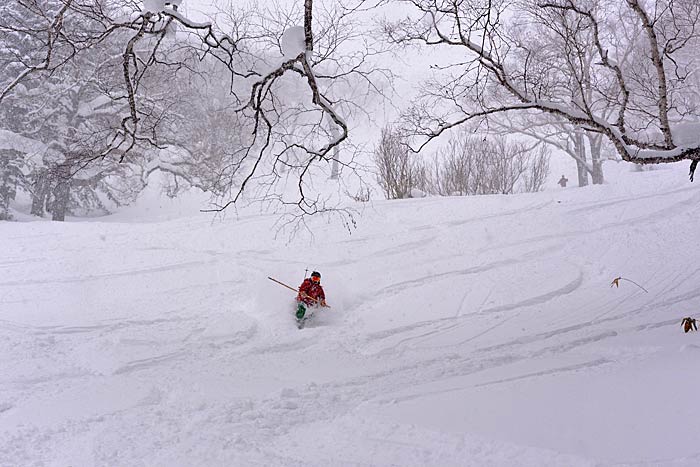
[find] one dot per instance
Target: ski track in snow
(97, 277)
(205, 367)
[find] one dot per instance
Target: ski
(301, 322)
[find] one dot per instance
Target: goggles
(315, 279)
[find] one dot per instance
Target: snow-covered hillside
(463, 331)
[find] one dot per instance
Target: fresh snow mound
(153, 6)
(293, 42)
(156, 6)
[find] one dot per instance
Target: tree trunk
(335, 166)
(41, 193)
(61, 193)
(580, 148)
(597, 174)
(4, 202)
(596, 142)
(335, 171)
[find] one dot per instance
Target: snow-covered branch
(544, 57)
(133, 57)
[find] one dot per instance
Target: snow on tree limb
(521, 73)
(52, 31)
(159, 36)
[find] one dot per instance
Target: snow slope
(464, 331)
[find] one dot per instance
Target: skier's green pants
(301, 310)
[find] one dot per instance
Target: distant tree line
(467, 165)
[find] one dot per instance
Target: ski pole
(282, 284)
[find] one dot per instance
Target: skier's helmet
(316, 277)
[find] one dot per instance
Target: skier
(563, 181)
(310, 294)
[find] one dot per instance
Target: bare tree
(455, 167)
(569, 139)
(643, 55)
(324, 60)
(535, 176)
(398, 170)
(478, 166)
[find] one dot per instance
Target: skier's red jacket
(314, 292)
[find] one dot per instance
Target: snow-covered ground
(463, 331)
